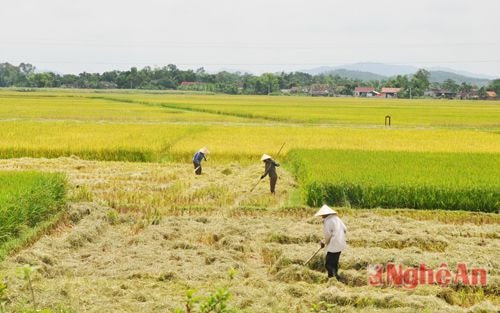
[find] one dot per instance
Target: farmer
(270, 169)
(335, 234)
(197, 158)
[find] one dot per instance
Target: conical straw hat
(325, 210)
(265, 157)
(204, 150)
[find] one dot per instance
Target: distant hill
(365, 76)
(379, 71)
(462, 73)
(387, 70)
(441, 76)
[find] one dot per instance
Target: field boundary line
(191, 109)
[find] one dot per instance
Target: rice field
(114, 253)
(128, 127)
(342, 111)
(153, 142)
(85, 107)
(140, 230)
(29, 201)
(449, 181)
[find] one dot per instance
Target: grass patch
(29, 203)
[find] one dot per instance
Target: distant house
(190, 84)
(388, 92)
(320, 90)
(433, 93)
(440, 93)
(491, 95)
(469, 95)
(299, 89)
(365, 92)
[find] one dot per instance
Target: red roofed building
(491, 95)
(388, 92)
(365, 92)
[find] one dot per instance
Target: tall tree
(482, 93)
(420, 82)
(450, 85)
(495, 86)
(465, 87)
(269, 83)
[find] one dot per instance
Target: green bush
(214, 303)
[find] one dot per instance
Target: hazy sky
(71, 36)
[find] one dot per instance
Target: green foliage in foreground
(27, 201)
(214, 303)
(368, 179)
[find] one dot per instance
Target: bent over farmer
(197, 158)
(270, 169)
(335, 239)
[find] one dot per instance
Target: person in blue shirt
(197, 158)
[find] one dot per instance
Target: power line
(239, 45)
(326, 63)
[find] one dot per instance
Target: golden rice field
(140, 128)
(140, 230)
(343, 111)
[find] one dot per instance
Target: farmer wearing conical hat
(270, 169)
(335, 239)
(197, 158)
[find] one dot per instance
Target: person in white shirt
(335, 239)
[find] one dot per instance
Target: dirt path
(116, 254)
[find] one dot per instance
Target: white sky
(72, 36)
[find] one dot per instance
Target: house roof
(491, 94)
(390, 90)
(364, 89)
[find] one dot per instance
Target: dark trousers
(272, 182)
(197, 168)
(332, 264)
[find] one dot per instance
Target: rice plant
(369, 179)
(27, 201)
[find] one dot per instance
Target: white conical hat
(325, 210)
(265, 157)
(204, 150)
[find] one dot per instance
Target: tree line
(171, 77)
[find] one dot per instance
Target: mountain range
(379, 71)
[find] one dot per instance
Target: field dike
(138, 236)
